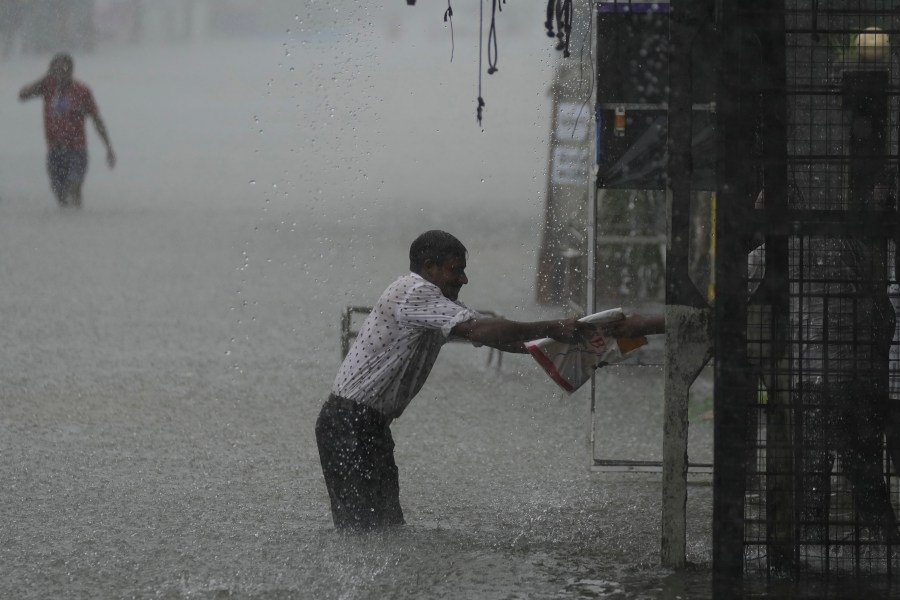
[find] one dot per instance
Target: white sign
(570, 165)
(570, 125)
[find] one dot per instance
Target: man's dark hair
(64, 57)
(436, 245)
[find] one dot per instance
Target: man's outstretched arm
(510, 336)
(32, 90)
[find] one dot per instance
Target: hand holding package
(571, 365)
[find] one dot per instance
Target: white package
(571, 365)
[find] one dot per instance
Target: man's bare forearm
(503, 333)
(101, 131)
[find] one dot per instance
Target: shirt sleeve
(425, 307)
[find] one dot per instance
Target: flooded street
(166, 349)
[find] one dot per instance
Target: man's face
(61, 70)
(449, 276)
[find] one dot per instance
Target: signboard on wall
(570, 159)
(563, 250)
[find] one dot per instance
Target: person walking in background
(389, 362)
(66, 105)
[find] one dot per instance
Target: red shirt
(64, 113)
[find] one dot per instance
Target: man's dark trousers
(357, 453)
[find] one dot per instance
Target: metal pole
(687, 314)
(735, 197)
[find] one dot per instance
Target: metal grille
(821, 494)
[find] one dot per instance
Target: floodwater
(166, 348)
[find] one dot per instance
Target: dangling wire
(551, 12)
(561, 11)
(480, 40)
(492, 39)
(567, 13)
(448, 16)
(588, 39)
(560, 26)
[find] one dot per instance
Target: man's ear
(428, 268)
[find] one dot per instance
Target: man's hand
(573, 331)
(111, 158)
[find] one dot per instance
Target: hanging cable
(448, 16)
(589, 40)
(559, 24)
(551, 11)
(480, 39)
(567, 12)
(560, 11)
(492, 39)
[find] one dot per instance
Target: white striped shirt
(397, 345)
